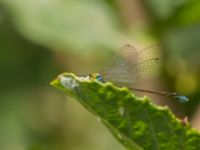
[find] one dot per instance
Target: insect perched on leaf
(130, 65)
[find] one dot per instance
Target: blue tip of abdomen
(182, 99)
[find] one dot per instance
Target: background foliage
(40, 39)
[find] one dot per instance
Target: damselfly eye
(99, 78)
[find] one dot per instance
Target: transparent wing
(130, 65)
(149, 61)
(122, 67)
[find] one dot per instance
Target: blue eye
(99, 78)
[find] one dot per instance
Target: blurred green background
(40, 39)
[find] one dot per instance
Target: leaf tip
(54, 82)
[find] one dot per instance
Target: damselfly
(129, 65)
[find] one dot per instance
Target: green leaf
(134, 121)
(67, 24)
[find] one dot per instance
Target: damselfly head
(96, 76)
